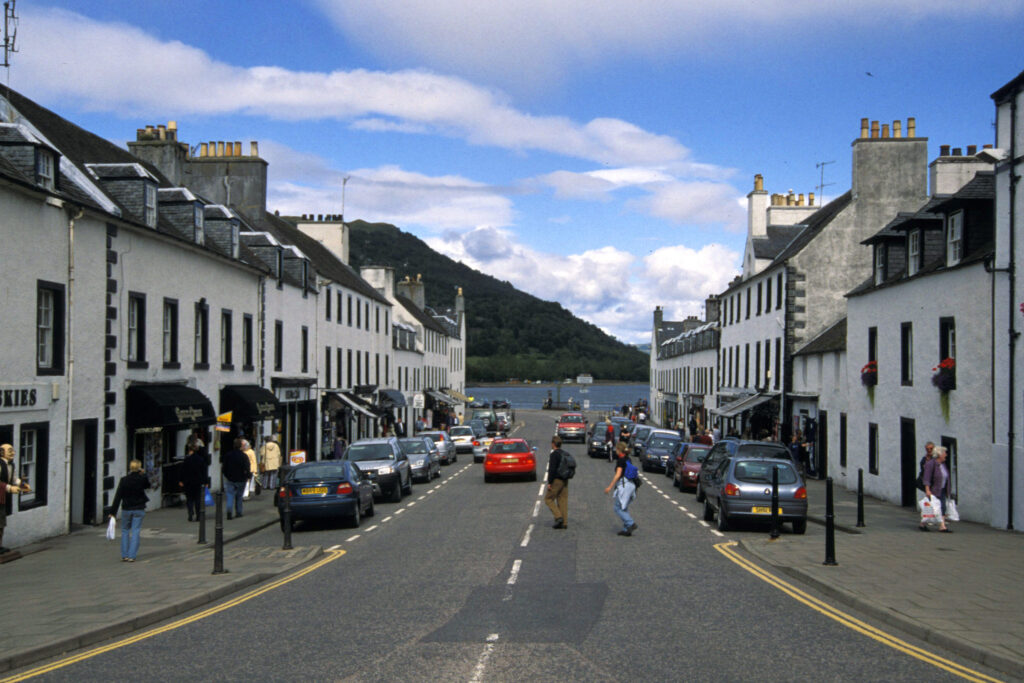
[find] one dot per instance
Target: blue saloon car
(326, 490)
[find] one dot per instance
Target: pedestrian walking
(194, 476)
(936, 483)
(131, 498)
(235, 468)
(10, 485)
(270, 461)
(557, 495)
(623, 489)
(250, 483)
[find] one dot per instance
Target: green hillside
(511, 334)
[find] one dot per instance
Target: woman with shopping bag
(936, 485)
(131, 494)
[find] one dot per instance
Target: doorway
(84, 470)
(908, 462)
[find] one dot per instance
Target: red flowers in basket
(945, 375)
(869, 374)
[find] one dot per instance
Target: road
(467, 581)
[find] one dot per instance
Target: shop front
(251, 407)
(440, 409)
(392, 405)
(160, 418)
(752, 416)
(347, 416)
(298, 416)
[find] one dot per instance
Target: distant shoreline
(607, 382)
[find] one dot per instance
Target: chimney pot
(254, 149)
(911, 127)
(863, 128)
(885, 130)
(229, 149)
(758, 183)
(800, 199)
(220, 148)
(149, 129)
(972, 150)
(238, 148)
(202, 149)
(943, 150)
(957, 152)
(897, 129)
(172, 125)
(988, 146)
(874, 129)
(810, 199)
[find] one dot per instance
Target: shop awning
(353, 402)
(457, 395)
(741, 406)
(440, 398)
(248, 402)
(391, 398)
(166, 405)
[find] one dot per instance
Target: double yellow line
(330, 556)
(845, 619)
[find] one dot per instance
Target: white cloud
(526, 42)
(132, 72)
(699, 202)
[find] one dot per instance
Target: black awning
(343, 398)
(391, 398)
(248, 402)
(438, 397)
(166, 405)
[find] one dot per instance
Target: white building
(684, 357)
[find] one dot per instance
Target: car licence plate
(313, 490)
(510, 459)
(763, 510)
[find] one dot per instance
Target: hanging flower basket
(869, 374)
(945, 375)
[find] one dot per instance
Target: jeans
(234, 491)
(620, 509)
(131, 528)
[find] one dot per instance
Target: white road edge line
(515, 572)
(481, 662)
(536, 508)
(691, 515)
(350, 539)
(335, 547)
(526, 538)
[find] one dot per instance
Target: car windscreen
(663, 442)
(509, 447)
(763, 451)
(760, 471)
(570, 418)
(461, 431)
(360, 452)
(696, 454)
(317, 471)
(410, 446)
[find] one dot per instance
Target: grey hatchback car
(384, 464)
(740, 488)
(423, 458)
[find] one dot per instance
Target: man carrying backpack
(623, 488)
(561, 468)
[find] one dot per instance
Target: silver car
(384, 464)
(467, 440)
(445, 446)
(740, 488)
(422, 454)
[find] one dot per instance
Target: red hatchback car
(688, 458)
(510, 456)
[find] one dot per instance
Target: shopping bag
(208, 498)
(931, 510)
(111, 529)
(952, 514)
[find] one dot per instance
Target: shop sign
(266, 409)
(418, 402)
(189, 414)
(20, 396)
(296, 457)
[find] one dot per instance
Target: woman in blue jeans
(624, 490)
(131, 494)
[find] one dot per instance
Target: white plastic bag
(111, 529)
(931, 510)
(952, 514)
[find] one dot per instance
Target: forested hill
(511, 334)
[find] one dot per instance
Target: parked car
(572, 426)
(504, 421)
(488, 417)
(655, 449)
(598, 446)
(740, 488)
(510, 457)
(445, 446)
(732, 446)
(468, 440)
(636, 436)
(422, 454)
(384, 463)
(685, 464)
(326, 490)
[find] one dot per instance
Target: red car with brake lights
(572, 426)
(510, 457)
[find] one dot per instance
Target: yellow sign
(225, 417)
(296, 457)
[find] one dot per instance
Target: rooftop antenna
(822, 184)
(344, 182)
(10, 34)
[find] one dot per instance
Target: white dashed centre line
(691, 515)
(350, 539)
(542, 487)
(515, 572)
(422, 497)
(369, 529)
(526, 538)
(386, 519)
(397, 512)
(716, 532)
(431, 491)
(481, 662)
(536, 508)
(411, 503)
(335, 547)
(704, 524)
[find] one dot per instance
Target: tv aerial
(10, 32)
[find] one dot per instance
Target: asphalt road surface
(467, 581)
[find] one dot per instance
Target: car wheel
(800, 527)
(698, 493)
(533, 476)
(370, 511)
(407, 491)
(455, 459)
(396, 492)
(709, 512)
(723, 519)
(356, 519)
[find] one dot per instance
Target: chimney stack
(202, 149)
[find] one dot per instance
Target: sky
(593, 153)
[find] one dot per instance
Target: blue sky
(593, 153)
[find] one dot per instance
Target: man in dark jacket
(557, 496)
(236, 471)
(193, 478)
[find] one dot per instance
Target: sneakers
(626, 532)
(559, 524)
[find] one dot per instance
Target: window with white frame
(201, 348)
(954, 237)
(170, 332)
(44, 169)
(226, 352)
(136, 342)
(49, 328)
(879, 264)
(149, 214)
(913, 252)
(33, 455)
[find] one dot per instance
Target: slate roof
(424, 319)
(668, 330)
(833, 338)
(770, 246)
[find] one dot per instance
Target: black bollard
(860, 497)
(202, 517)
(218, 535)
(286, 518)
(775, 503)
(830, 526)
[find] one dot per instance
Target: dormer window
(879, 264)
(234, 241)
(954, 238)
(149, 208)
(44, 169)
(913, 252)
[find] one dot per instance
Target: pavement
(74, 591)
(963, 591)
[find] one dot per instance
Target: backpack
(632, 474)
(566, 467)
